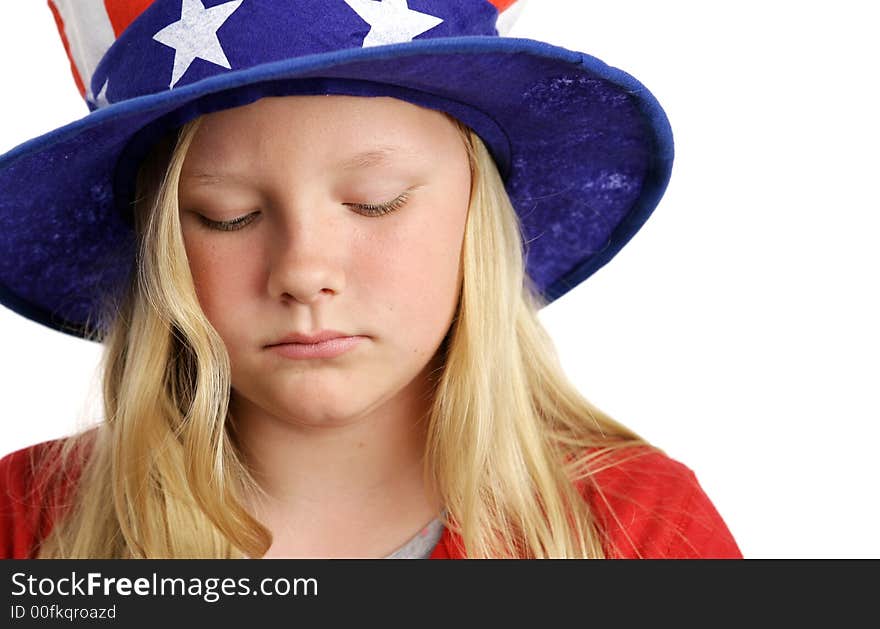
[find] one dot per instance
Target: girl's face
(304, 214)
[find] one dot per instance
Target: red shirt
(650, 506)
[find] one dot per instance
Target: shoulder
(32, 489)
(649, 505)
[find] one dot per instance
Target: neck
(324, 483)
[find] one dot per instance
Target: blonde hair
(162, 477)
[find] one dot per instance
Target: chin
(319, 405)
(323, 416)
(317, 398)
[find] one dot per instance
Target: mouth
(328, 347)
(315, 338)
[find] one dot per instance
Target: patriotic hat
(584, 149)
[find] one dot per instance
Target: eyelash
(382, 208)
(370, 209)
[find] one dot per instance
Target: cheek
(417, 281)
(222, 279)
(434, 280)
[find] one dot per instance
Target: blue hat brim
(585, 151)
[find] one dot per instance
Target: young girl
(315, 259)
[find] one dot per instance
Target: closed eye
(381, 208)
(228, 226)
(368, 209)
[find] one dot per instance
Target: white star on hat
(195, 35)
(391, 21)
(101, 99)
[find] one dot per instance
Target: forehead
(370, 129)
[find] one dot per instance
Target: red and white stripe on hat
(508, 12)
(89, 27)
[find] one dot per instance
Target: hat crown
(122, 49)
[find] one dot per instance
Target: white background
(738, 330)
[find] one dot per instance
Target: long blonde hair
(162, 477)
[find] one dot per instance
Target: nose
(305, 262)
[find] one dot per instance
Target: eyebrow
(373, 157)
(365, 159)
(207, 178)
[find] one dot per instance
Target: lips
(302, 346)
(309, 339)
